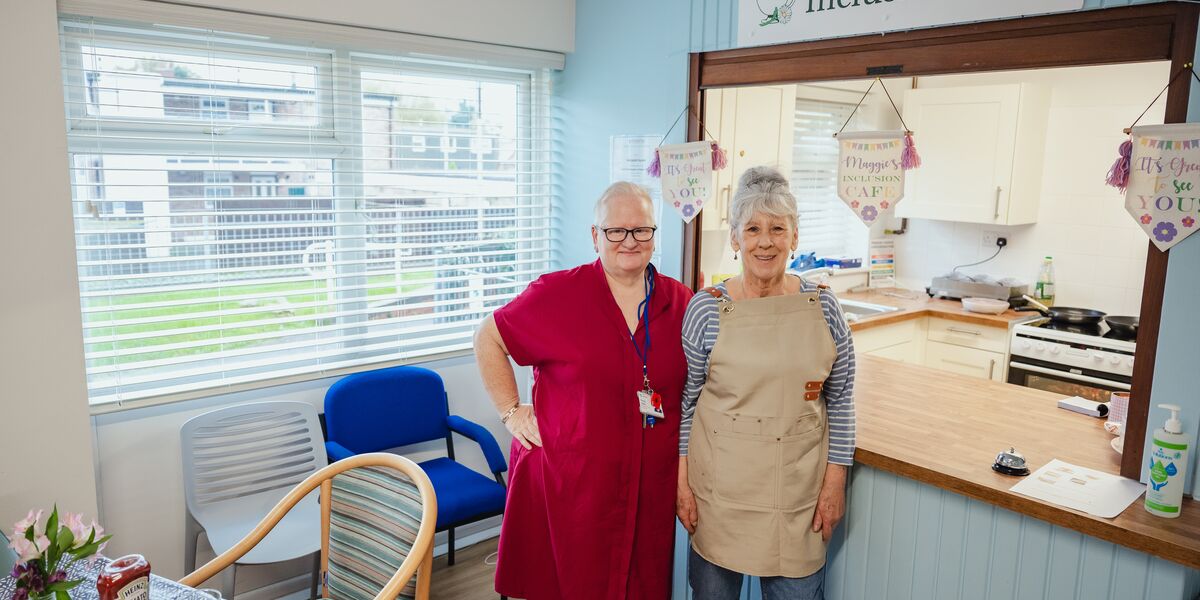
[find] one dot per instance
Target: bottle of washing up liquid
(1168, 467)
(1044, 290)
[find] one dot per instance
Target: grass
(284, 300)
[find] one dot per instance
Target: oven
(1070, 360)
(1096, 386)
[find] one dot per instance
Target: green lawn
(285, 301)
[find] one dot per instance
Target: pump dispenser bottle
(1168, 467)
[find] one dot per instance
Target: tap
(809, 274)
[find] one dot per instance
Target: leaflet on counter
(1086, 490)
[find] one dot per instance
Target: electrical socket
(989, 239)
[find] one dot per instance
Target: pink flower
(30, 519)
(27, 550)
(677, 204)
(884, 204)
(1146, 218)
(854, 204)
(74, 522)
(1188, 221)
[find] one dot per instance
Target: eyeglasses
(618, 234)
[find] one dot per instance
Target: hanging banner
(763, 22)
(687, 181)
(870, 176)
(1164, 181)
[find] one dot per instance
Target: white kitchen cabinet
(982, 149)
(971, 335)
(966, 361)
(903, 341)
(754, 126)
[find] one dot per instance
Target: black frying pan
(1126, 326)
(1066, 314)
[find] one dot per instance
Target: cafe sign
(1163, 194)
(762, 22)
(870, 176)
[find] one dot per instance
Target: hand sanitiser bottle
(1168, 467)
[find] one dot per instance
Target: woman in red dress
(591, 491)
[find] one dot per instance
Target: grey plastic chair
(8, 558)
(238, 463)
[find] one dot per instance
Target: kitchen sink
(856, 310)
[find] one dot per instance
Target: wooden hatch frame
(1147, 32)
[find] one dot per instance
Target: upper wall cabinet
(754, 125)
(982, 150)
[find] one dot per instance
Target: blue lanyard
(643, 349)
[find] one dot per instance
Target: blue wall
(628, 75)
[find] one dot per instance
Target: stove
(1090, 361)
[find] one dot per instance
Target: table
(160, 587)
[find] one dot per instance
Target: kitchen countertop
(945, 429)
(918, 304)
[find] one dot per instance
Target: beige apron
(758, 448)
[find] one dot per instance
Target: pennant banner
(686, 171)
(1164, 181)
(870, 172)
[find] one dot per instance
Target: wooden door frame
(1146, 32)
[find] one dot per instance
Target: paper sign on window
(1164, 181)
(870, 172)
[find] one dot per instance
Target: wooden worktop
(945, 430)
(916, 304)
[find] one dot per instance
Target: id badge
(650, 403)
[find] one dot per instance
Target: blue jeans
(711, 582)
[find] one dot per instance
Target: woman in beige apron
(768, 414)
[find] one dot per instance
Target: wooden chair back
(378, 515)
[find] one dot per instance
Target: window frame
(342, 134)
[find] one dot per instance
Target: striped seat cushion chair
(375, 513)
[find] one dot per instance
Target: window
(827, 226)
(250, 209)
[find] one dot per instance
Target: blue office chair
(387, 408)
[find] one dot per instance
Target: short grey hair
(762, 190)
(619, 189)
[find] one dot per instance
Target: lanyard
(649, 402)
(643, 349)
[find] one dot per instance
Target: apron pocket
(802, 465)
(746, 468)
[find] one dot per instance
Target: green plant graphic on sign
(781, 14)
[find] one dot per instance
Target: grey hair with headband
(762, 190)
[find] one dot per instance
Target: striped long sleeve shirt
(701, 323)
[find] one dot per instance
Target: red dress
(591, 514)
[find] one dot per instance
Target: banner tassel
(719, 159)
(654, 169)
(1118, 175)
(909, 159)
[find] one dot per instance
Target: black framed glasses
(618, 234)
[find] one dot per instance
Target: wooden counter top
(916, 304)
(945, 430)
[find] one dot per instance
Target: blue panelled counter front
(927, 518)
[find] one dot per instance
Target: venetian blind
(250, 207)
(827, 226)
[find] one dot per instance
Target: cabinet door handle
(992, 368)
(963, 331)
(961, 364)
(723, 206)
(996, 208)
